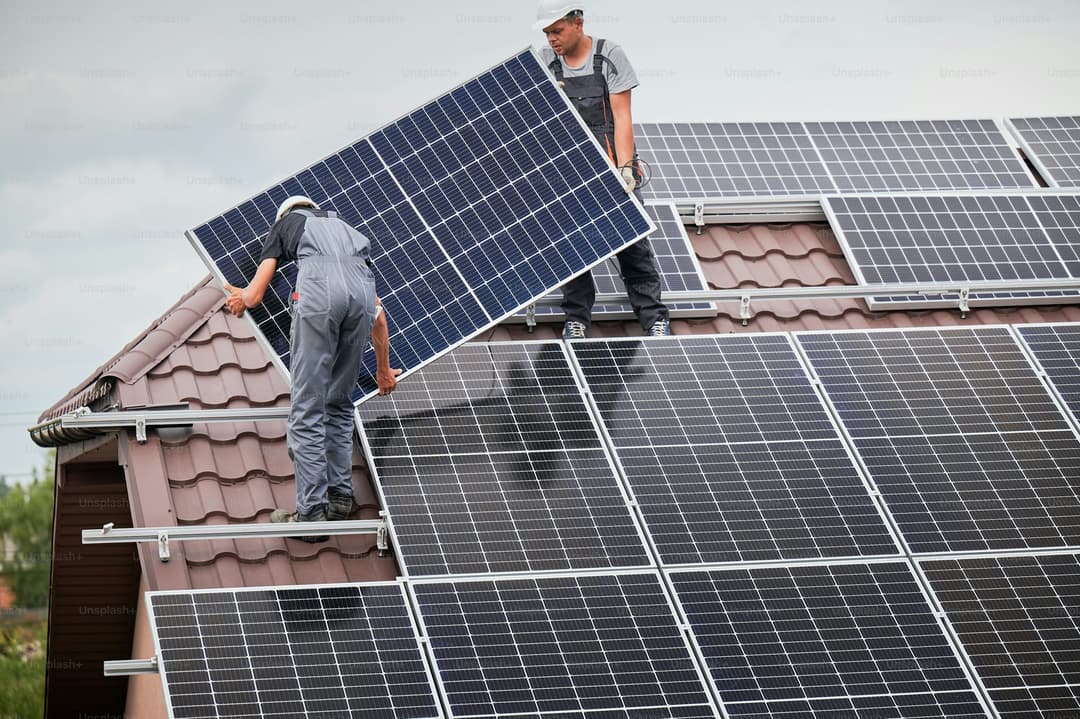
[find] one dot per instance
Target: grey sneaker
(339, 506)
(660, 328)
(279, 516)
(574, 330)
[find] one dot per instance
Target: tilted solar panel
(328, 650)
(966, 445)
(476, 204)
(488, 460)
(1053, 146)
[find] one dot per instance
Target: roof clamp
(530, 317)
(699, 217)
(140, 429)
(380, 536)
(163, 546)
(965, 294)
(745, 314)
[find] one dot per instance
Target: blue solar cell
(483, 200)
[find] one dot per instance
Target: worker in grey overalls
(598, 78)
(334, 312)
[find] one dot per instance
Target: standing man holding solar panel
(334, 311)
(598, 79)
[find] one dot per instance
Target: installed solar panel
(586, 646)
(965, 444)
(818, 637)
(677, 262)
(918, 155)
(1057, 350)
(695, 161)
(729, 451)
(1053, 146)
(1018, 619)
(330, 650)
(489, 461)
(959, 238)
(476, 204)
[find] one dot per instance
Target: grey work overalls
(637, 263)
(333, 310)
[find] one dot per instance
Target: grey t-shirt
(618, 73)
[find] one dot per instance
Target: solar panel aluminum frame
(885, 303)
(849, 439)
(677, 614)
(917, 576)
(264, 342)
(148, 596)
(826, 407)
(603, 446)
(1051, 385)
(1033, 157)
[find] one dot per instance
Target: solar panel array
(1053, 146)
(729, 451)
(489, 461)
(711, 161)
(476, 204)
(734, 549)
(962, 239)
(676, 260)
(967, 447)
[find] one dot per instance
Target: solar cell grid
(917, 155)
(736, 388)
(690, 161)
(957, 432)
(810, 633)
(924, 382)
(318, 651)
(561, 646)
(754, 502)
(1053, 145)
(476, 204)
(488, 460)
(1057, 350)
(959, 239)
(1018, 618)
(729, 451)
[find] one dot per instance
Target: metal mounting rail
(962, 291)
(163, 535)
(131, 667)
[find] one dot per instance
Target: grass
(22, 681)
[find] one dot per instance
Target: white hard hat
(551, 10)
(291, 202)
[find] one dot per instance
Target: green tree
(26, 514)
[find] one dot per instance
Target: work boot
(574, 330)
(316, 515)
(660, 328)
(339, 506)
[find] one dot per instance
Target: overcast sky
(122, 124)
